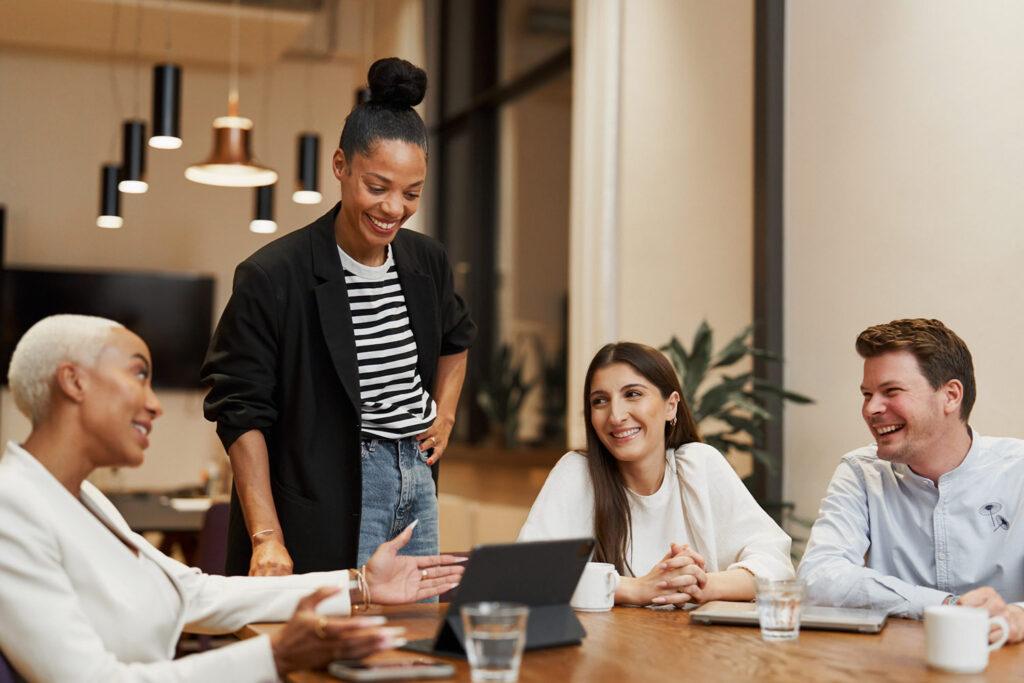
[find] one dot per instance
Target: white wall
(904, 176)
(683, 249)
(686, 169)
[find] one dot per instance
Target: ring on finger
(423, 574)
(319, 628)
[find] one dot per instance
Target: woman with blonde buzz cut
(83, 598)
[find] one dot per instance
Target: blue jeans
(397, 488)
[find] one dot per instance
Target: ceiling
(199, 30)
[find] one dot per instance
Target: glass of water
(495, 636)
(778, 608)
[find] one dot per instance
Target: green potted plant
(502, 393)
(731, 409)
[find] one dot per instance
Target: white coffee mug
(596, 590)
(957, 637)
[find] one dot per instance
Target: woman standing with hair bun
(337, 365)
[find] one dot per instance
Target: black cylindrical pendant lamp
(133, 159)
(307, 185)
(110, 200)
(263, 211)
(166, 107)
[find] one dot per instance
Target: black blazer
(283, 361)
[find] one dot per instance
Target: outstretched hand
(397, 579)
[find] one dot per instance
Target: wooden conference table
(630, 644)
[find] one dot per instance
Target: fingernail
(393, 631)
(452, 585)
(400, 642)
(372, 621)
(658, 600)
(460, 559)
(413, 525)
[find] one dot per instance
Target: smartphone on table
(390, 670)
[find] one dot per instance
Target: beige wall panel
(55, 131)
(686, 168)
(904, 169)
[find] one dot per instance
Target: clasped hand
(679, 577)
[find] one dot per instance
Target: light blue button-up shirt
(887, 538)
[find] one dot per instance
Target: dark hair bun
(396, 83)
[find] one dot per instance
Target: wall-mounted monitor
(172, 313)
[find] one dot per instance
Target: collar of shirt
(971, 461)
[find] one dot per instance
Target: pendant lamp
(133, 159)
(166, 107)
(110, 200)
(231, 163)
(307, 185)
(263, 216)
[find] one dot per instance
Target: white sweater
(720, 519)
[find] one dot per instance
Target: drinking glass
(495, 636)
(778, 609)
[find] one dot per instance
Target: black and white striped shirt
(395, 404)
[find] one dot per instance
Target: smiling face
(380, 191)
(907, 417)
(629, 414)
(118, 405)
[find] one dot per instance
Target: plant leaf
(717, 396)
(738, 445)
(700, 359)
(735, 350)
(741, 424)
(676, 353)
(743, 401)
(766, 387)
(766, 458)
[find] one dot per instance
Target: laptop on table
(811, 616)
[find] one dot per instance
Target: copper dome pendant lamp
(231, 163)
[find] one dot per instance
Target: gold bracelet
(364, 586)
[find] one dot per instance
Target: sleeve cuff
(251, 660)
(922, 597)
(764, 570)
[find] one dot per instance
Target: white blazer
(723, 521)
(77, 605)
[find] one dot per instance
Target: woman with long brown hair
(667, 510)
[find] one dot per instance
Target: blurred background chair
(211, 554)
(7, 672)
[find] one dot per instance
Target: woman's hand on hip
(269, 558)
(310, 640)
(436, 437)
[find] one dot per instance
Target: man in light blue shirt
(933, 512)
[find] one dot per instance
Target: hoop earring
(673, 422)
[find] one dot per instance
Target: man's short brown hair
(940, 353)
